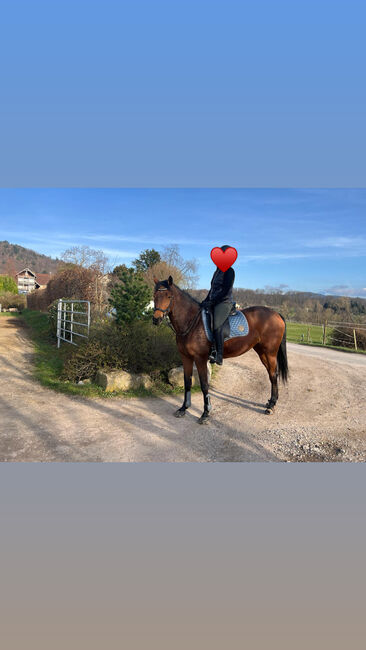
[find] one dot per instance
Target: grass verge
(49, 360)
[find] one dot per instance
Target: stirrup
(213, 355)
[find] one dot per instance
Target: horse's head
(163, 297)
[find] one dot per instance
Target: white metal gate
(67, 326)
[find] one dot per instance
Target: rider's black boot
(219, 341)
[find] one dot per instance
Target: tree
(129, 296)
(86, 257)
(94, 260)
(172, 263)
(8, 284)
(187, 268)
(146, 260)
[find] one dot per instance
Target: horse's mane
(165, 283)
(186, 293)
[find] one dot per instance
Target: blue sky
(311, 240)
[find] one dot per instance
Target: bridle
(165, 312)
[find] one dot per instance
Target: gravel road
(320, 415)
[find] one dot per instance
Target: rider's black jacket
(221, 287)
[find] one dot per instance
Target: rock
(146, 381)
(122, 380)
(176, 376)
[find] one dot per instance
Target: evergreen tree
(146, 260)
(130, 296)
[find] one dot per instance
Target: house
(42, 279)
(27, 280)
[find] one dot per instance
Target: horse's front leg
(187, 367)
(201, 364)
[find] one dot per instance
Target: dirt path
(320, 415)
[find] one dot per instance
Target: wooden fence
(345, 335)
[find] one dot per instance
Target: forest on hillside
(301, 306)
(14, 258)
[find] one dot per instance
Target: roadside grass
(49, 361)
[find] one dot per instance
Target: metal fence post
(88, 317)
(59, 306)
(71, 320)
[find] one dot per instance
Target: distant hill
(301, 306)
(14, 258)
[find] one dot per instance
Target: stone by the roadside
(176, 376)
(122, 380)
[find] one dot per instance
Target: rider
(219, 300)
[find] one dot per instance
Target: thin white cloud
(336, 242)
(160, 240)
(80, 237)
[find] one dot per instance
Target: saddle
(235, 325)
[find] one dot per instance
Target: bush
(8, 284)
(8, 300)
(343, 336)
(141, 347)
(70, 282)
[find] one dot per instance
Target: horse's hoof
(180, 413)
(269, 411)
(203, 419)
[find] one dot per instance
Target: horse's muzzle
(157, 321)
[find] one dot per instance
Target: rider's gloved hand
(206, 304)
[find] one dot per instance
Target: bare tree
(187, 269)
(96, 261)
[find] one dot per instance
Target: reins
(190, 326)
(165, 312)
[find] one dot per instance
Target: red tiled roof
(43, 278)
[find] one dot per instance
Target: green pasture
(303, 333)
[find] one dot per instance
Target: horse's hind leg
(187, 367)
(270, 363)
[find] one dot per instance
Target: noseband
(164, 311)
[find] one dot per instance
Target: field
(303, 333)
(313, 335)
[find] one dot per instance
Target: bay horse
(267, 335)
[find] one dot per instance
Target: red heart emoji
(224, 259)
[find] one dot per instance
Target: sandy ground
(320, 415)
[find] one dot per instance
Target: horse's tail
(282, 364)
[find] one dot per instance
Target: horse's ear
(170, 280)
(155, 280)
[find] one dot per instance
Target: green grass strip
(49, 360)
